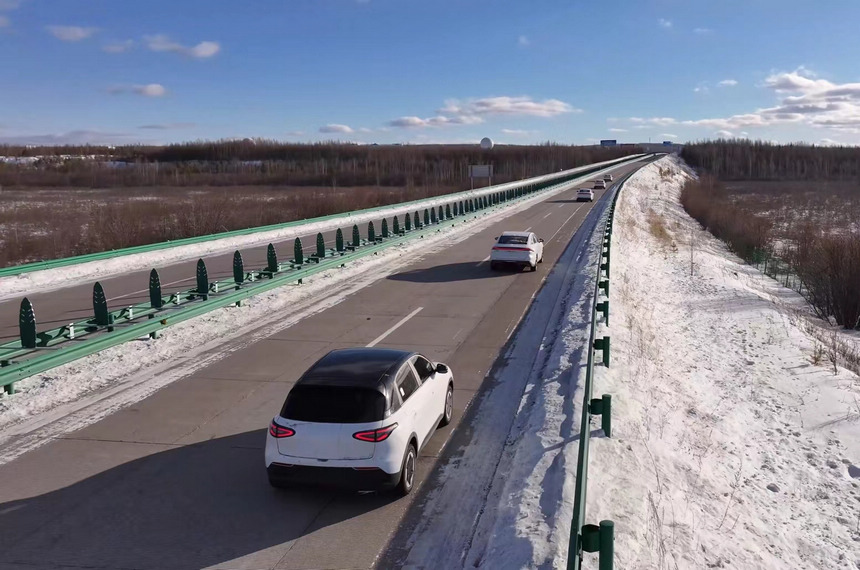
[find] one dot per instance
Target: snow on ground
(79, 393)
(731, 448)
(733, 445)
(49, 279)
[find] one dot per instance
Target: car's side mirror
(540, 240)
(441, 369)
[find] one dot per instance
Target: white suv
(358, 418)
(607, 178)
(599, 185)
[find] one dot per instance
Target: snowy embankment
(82, 392)
(735, 444)
(50, 279)
(730, 447)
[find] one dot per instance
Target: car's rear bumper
(340, 477)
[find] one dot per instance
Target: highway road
(177, 481)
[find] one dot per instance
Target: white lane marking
(548, 215)
(146, 290)
(565, 222)
(527, 229)
(486, 259)
(381, 337)
(561, 205)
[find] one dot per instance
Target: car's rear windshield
(585, 191)
(334, 404)
(514, 239)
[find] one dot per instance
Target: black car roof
(356, 367)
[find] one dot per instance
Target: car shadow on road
(194, 506)
(455, 272)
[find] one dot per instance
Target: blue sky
(519, 71)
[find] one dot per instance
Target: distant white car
(599, 185)
(517, 248)
(585, 195)
(358, 418)
(607, 178)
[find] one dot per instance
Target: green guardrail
(467, 194)
(36, 352)
(589, 537)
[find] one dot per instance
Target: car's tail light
(375, 435)
(280, 431)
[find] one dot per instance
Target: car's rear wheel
(533, 267)
(276, 483)
(449, 407)
(407, 473)
(494, 265)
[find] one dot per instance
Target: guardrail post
(602, 344)
(432, 215)
(155, 300)
(356, 237)
(604, 266)
(461, 209)
(100, 308)
(448, 215)
(407, 222)
(271, 259)
(27, 324)
(426, 217)
(416, 221)
(384, 228)
(238, 268)
(338, 241)
(371, 233)
(602, 407)
(441, 215)
(298, 255)
(396, 226)
(607, 545)
(320, 246)
(603, 308)
(202, 280)
(605, 286)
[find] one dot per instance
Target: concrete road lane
(178, 480)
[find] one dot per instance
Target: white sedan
(517, 248)
(358, 418)
(585, 195)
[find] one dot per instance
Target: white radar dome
(486, 143)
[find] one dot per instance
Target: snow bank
(734, 445)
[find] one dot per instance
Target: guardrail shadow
(186, 508)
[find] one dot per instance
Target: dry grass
(658, 229)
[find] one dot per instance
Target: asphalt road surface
(177, 481)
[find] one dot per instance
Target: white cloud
(168, 126)
(617, 130)
(71, 33)
(703, 31)
(703, 89)
(658, 121)
(523, 41)
(163, 43)
(118, 47)
(335, 128)
(664, 23)
(724, 134)
(148, 90)
(476, 111)
(295, 133)
(669, 136)
(83, 136)
(518, 132)
(727, 83)
(829, 142)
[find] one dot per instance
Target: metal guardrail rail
(466, 194)
(589, 537)
(37, 352)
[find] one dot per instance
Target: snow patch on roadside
(732, 445)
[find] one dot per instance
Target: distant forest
(745, 160)
(260, 162)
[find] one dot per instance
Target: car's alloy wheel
(407, 474)
(533, 267)
(449, 407)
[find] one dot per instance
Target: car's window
(396, 402)
(519, 240)
(423, 367)
(406, 382)
(334, 404)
